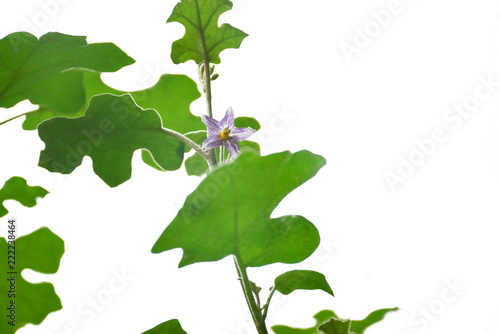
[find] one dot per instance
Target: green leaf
(40, 251)
(336, 326)
(359, 326)
(301, 279)
(171, 97)
(17, 188)
(41, 70)
(320, 318)
(325, 316)
(203, 37)
(229, 213)
(168, 327)
(243, 122)
(111, 130)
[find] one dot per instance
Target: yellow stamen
(224, 134)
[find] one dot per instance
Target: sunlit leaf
(40, 70)
(301, 279)
(229, 213)
(171, 97)
(168, 327)
(111, 130)
(203, 37)
(40, 251)
(16, 188)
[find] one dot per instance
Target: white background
(381, 247)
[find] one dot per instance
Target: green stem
(13, 118)
(266, 306)
(207, 84)
(247, 291)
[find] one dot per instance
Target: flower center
(224, 134)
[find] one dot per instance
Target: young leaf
(111, 130)
(229, 213)
(17, 188)
(243, 122)
(301, 279)
(256, 289)
(168, 327)
(336, 326)
(40, 251)
(204, 39)
(40, 69)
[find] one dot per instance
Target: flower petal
(228, 120)
(212, 141)
(232, 146)
(213, 126)
(241, 133)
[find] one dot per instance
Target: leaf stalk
(205, 154)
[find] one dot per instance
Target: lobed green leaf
(332, 322)
(171, 97)
(203, 37)
(111, 130)
(40, 251)
(16, 188)
(42, 70)
(229, 213)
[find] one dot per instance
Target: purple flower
(225, 133)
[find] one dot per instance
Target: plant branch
(193, 145)
(247, 290)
